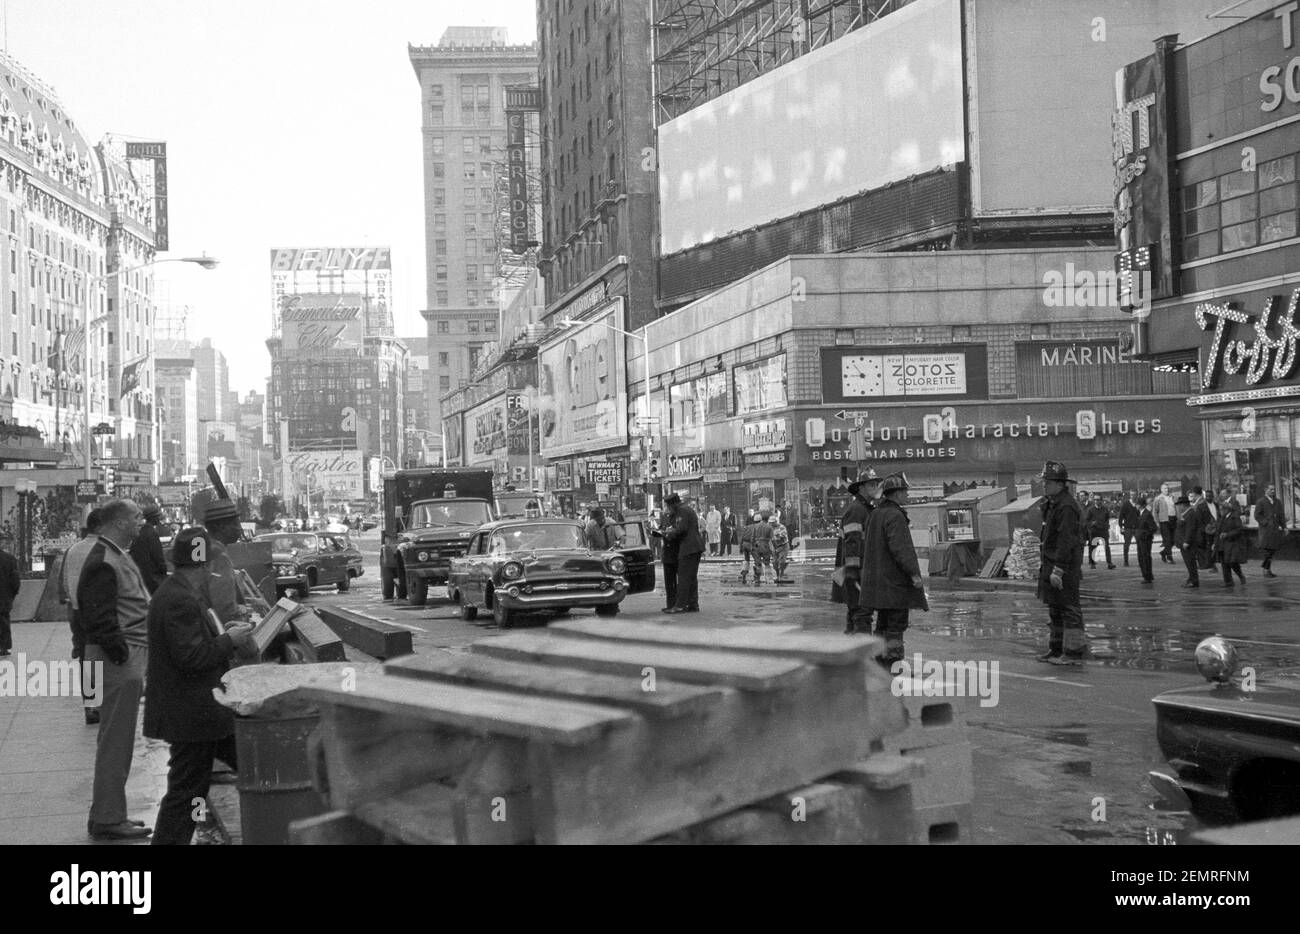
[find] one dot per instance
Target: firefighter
(1063, 541)
(848, 553)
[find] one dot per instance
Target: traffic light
(654, 470)
(108, 481)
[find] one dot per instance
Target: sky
(288, 123)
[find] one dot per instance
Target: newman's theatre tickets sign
(321, 321)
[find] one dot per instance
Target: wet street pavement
(1063, 756)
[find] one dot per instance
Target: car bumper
(429, 572)
(558, 599)
(291, 581)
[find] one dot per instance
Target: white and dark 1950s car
(304, 560)
(517, 566)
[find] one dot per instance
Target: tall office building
(463, 81)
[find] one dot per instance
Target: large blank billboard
(880, 105)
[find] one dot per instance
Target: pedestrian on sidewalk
(1061, 568)
(1272, 527)
(1192, 540)
(1234, 546)
(713, 530)
(146, 550)
(685, 535)
(114, 603)
(1166, 517)
(74, 560)
(1145, 534)
(846, 584)
(727, 527)
(1128, 522)
(1097, 519)
(10, 583)
(189, 651)
(780, 549)
(746, 543)
(892, 584)
(761, 543)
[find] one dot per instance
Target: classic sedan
(516, 566)
(1234, 744)
(304, 560)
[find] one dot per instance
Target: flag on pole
(131, 377)
(74, 342)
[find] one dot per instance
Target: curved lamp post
(205, 262)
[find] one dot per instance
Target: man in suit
(1097, 519)
(1128, 522)
(892, 583)
(1060, 569)
(112, 603)
(1272, 526)
(685, 534)
(1195, 521)
(1145, 532)
(147, 551)
(10, 582)
(1162, 510)
(189, 651)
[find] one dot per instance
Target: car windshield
(289, 542)
(424, 515)
(536, 537)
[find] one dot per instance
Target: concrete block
(944, 824)
(948, 777)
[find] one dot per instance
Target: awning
(13, 453)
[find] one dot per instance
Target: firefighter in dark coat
(892, 584)
(846, 587)
(1063, 540)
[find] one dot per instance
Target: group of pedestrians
(164, 637)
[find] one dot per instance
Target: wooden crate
(598, 731)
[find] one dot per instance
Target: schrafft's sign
(1264, 358)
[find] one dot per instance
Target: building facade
(178, 408)
(463, 81)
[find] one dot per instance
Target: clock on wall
(862, 375)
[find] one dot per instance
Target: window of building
(485, 170)
(440, 246)
(486, 195)
(489, 246)
(471, 274)
(441, 297)
(467, 145)
(471, 224)
(471, 299)
(485, 145)
(436, 114)
(489, 271)
(487, 220)
(439, 170)
(470, 171)
(439, 197)
(444, 382)
(489, 325)
(469, 196)
(440, 273)
(471, 247)
(442, 327)
(435, 92)
(1240, 210)
(442, 358)
(440, 222)
(439, 146)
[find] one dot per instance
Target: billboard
(353, 271)
(339, 473)
(148, 163)
(583, 396)
(321, 321)
(875, 107)
(485, 432)
(320, 259)
(941, 371)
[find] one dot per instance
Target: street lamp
(24, 488)
(205, 262)
(645, 399)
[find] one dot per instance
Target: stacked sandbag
(1023, 557)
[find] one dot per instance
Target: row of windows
(469, 145)
(469, 171)
(471, 222)
(484, 197)
(1240, 210)
(489, 327)
(471, 273)
(472, 247)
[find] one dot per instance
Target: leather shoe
(667, 609)
(1066, 661)
(1049, 656)
(124, 830)
(676, 609)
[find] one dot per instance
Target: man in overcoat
(685, 536)
(1272, 526)
(892, 584)
(1063, 539)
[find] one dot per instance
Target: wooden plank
(372, 636)
(419, 815)
(693, 666)
(1281, 831)
(319, 642)
(337, 828)
(993, 566)
(477, 710)
(668, 699)
(820, 649)
(882, 772)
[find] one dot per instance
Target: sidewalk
(47, 758)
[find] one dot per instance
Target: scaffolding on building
(705, 48)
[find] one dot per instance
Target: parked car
(304, 560)
(1234, 744)
(516, 566)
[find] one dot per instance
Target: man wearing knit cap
(221, 519)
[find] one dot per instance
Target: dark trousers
(1268, 559)
(725, 547)
(1230, 569)
(670, 584)
(858, 618)
(1128, 540)
(1065, 634)
(1106, 540)
(688, 586)
(1190, 558)
(890, 625)
(189, 774)
(1144, 558)
(6, 633)
(1167, 539)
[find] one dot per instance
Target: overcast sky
(288, 123)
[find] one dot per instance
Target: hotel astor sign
(1263, 359)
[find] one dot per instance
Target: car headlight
(512, 570)
(1216, 659)
(422, 556)
(616, 564)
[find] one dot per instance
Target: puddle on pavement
(1080, 767)
(1071, 734)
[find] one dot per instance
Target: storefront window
(1249, 453)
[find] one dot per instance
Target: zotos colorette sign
(1263, 359)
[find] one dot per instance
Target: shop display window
(1251, 452)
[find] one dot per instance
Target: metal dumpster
(274, 779)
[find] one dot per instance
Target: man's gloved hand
(1058, 578)
(241, 636)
